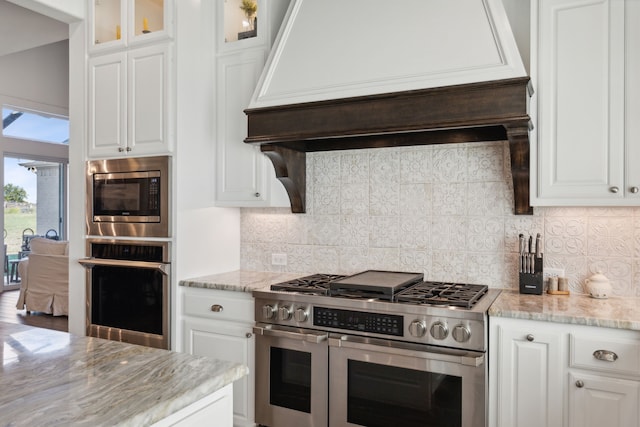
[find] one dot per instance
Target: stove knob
(417, 328)
(439, 330)
(285, 313)
(461, 333)
(301, 315)
(268, 311)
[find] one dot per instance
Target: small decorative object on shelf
(145, 26)
(117, 32)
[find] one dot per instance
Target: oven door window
(378, 395)
(127, 298)
(290, 379)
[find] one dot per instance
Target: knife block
(532, 283)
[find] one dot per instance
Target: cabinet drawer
(604, 354)
(219, 305)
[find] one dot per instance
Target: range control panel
(386, 324)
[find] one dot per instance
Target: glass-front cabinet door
(120, 23)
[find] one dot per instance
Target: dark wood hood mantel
(476, 112)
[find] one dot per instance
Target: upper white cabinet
(129, 102)
(116, 24)
(244, 176)
(130, 78)
(586, 73)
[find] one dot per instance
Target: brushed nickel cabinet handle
(634, 190)
(120, 149)
(530, 338)
(217, 308)
(605, 355)
(579, 383)
(248, 335)
(614, 189)
(257, 194)
(128, 148)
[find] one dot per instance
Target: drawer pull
(605, 355)
(530, 338)
(579, 383)
(216, 308)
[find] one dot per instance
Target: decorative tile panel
(446, 210)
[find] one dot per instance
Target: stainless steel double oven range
(128, 251)
(373, 349)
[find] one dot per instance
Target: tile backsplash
(445, 210)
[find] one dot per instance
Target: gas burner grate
(315, 284)
(441, 293)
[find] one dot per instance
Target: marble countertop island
(614, 312)
(57, 379)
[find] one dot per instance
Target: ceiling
(22, 29)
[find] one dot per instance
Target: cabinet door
(596, 401)
(580, 89)
(226, 341)
(107, 104)
(527, 365)
(632, 99)
(241, 167)
(148, 90)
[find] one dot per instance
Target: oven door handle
(92, 262)
(314, 337)
(462, 357)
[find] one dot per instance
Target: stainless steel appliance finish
(128, 291)
(418, 363)
(128, 197)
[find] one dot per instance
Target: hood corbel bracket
(290, 167)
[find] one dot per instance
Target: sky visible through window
(32, 126)
(35, 126)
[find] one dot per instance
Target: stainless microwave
(128, 197)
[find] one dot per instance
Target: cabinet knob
(614, 189)
(217, 308)
(128, 148)
(257, 194)
(579, 383)
(120, 149)
(248, 335)
(634, 190)
(530, 337)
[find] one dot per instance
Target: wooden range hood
(473, 112)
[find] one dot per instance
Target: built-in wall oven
(330, 352)
(128, 291)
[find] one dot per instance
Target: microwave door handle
(408, 349)
(92, 262)
(312, 337)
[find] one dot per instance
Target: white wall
(39, 75)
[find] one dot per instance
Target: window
(35, 126)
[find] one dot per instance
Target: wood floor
(10, 314)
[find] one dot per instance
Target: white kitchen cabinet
(527, 361)
(558, 374)
(604, 377)
(117, 24)
(219, 324)
(586, 74)
(244, 176)
(129, 102)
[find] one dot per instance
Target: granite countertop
(239, 281)
(61, 379)
(614, 312)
